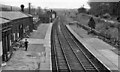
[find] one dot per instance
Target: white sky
(48, 3)
(104, 0)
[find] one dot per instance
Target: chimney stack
(11, 8)
(29, 7)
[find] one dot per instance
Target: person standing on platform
(26, 44)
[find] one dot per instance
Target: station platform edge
(108, 58)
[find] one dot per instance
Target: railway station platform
(101, 50)
(38, 55)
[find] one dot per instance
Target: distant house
(82, 10)
(8, 8)
(15, 25)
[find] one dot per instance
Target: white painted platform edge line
(48, 34)
(47, 44)
(50, 61)
(76, 35)
(84, 43)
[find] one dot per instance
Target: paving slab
(23, 60)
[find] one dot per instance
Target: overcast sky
(104, 0)
(48, 3)
(51, 3)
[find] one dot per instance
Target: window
(14, 36)
(18, 35)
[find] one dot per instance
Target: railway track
(68, 54)
(58, 59)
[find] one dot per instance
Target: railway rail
(69, 55)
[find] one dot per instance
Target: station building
(14, 25)
(2, 21)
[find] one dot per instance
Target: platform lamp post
(21, 27)
(22, 8)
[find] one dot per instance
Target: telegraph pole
(11, 8)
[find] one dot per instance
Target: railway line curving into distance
(69, 55)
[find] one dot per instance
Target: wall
(0, 45)
(16, 27)
(1, 53)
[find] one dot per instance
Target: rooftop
(3, 20)
(12, 15)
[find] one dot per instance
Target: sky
(53, 3)
(104, 0)
(48, 3)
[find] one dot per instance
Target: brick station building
(2, 21)
(13, 26)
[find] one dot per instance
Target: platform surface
(101, 50)
(38, 55)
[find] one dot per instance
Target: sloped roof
(12, 15)
(29, 15)
(3, 21)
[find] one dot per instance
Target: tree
(39, 10)
(91, 23)
(115, 8)
(99, 8)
